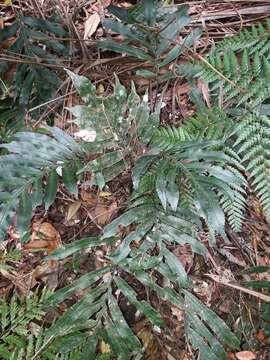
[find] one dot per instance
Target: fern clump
(237, 81)
(34, 38)
(16, 320)
(214, 125)
(161, 213)
(150, 31)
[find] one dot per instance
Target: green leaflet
(24, 212)
(176, 267)
(217, 325)
(69, 179)
(81, 283)
(51, 189)
(142, 306)
(122, 327)
(70, 249)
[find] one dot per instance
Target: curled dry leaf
(91, 25)
(245, 355)
(44, 236)
(72, 210)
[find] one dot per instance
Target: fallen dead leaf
(47, 273)
(44, 236)
(104, 194)
(260, 335)
(91, 25)
(179, 314)
(103, 213)
(89, 197)
(21, 282)
(245, 355)
(203, 87)
(230, 356)
(72, 210)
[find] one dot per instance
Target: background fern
(149, 30)
(238, 83)
(34, 37)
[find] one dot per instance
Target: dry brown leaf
(203, 87)
(179, 314)
(21, 282)
(44, 236)
(245, 355)
(260, 335)
(103, 213)
(91, 25)
(73, 209)
(88, 197)
(48, 273)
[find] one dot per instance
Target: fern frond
(253, 144)
(32, 156)
(255, 39)
(247, 76)
(213, 125)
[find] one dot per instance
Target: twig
(236, 286)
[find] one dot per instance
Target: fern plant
(22, 332)
(175, 194)
(15, 320)
(239, 82)
(255, 39)
(35, 38)
(150, 31)
(174, 188)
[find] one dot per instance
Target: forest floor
(70, 218)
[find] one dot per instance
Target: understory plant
(151, 33)
(176, 193)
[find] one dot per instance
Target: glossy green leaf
(142, 306)
(161, 182)
(176, 267)
(24, 212)
(37, 196)
(172, 191)
(84, 87)
(217, 325)
(79, 284)
(123, 328)
(69, 179)
(258, 284)
(198, 342)
(254, 270)
(50, 189)
(67, 250)
(146, 73)
(140, 169)
(132, 216)
(117, 344)
(178, 49)
(121, 48)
